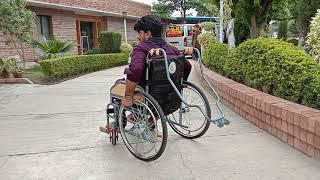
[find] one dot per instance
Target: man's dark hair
(149, 23)
(196, 25)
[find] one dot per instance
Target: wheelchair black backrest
(159, 85)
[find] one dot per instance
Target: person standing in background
(195, 34)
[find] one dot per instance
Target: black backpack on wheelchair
(158, 85)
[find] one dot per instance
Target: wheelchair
(164, 97)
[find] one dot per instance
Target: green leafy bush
(215, 55)
(69, 66)
(207, 26)
(294, 42)
(52, 48)
(133, 43)
(205, 37)
(278, 68)
(126, 48)
(109, 42)
(94, 51)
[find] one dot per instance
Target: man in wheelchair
(149, 31)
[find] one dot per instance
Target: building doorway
(86, 39)
(87, 33)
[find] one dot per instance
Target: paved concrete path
(51, 132)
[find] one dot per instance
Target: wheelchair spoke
(140, 133)
(194, 121)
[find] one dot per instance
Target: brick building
(80, 21)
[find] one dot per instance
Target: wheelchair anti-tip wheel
(189, 121)
(143, 127)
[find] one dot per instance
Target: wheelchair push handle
(220, 121)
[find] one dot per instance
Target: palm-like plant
(51, 48)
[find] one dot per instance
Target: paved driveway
(51, 132)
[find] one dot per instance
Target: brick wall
(133, 8)
(64, 22)
(294, 124)
(63, 27)
(116, 25)
(6, 51)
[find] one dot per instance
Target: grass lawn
(35, 75)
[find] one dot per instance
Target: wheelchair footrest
(221, 122)
(104, 130)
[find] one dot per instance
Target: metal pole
(221, 21)
(125, 29)
(125, 26)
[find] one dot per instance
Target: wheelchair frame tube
(222, 117)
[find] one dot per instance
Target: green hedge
(69, 66)
(94, 51)
(214, 55)
(275, 67)
(293, 41)
(109, 42)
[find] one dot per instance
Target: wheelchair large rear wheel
(143, 127)
(189, 122)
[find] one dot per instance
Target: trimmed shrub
(294, 42)
(205, 37)
(94, 51)
(215, 55)
(69, 66)
(278, 68)
(126, 48)
(109, 42)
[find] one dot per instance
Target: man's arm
(134, 75)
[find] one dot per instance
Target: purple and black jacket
(135, 71)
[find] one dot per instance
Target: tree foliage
(165, 7)
(283, 30)
(302, 11)
(163, 10)
(16, 24)
(313, 38)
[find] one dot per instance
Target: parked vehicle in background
(179, 35)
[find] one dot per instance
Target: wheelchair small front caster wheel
(113, 137)
(219, 123)
(226, 122)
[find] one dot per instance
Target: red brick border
(294, 124)
(15, 81)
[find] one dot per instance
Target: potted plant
(6, 68)
(16, 70)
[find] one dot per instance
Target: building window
(44, 26)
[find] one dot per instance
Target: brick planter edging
(15, 81)
(294, 124)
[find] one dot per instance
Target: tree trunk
(22, 56)
(254, 31)
(261, 16)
